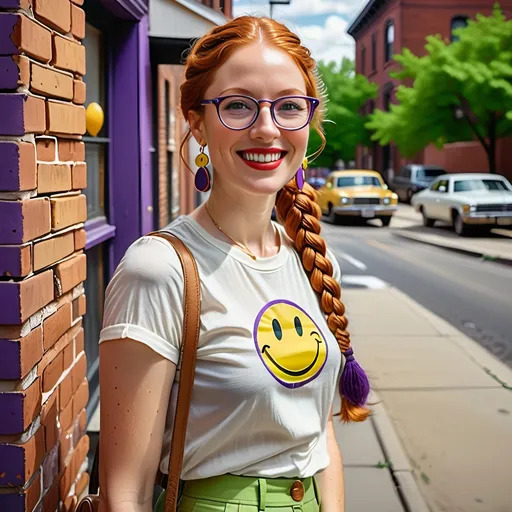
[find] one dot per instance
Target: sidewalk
(448, 400)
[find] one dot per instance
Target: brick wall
(43, 386)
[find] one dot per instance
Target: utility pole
(277, 2)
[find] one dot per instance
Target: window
(374, 52)
(356, 181)
(389, 41)
(442, 183)
(386, 100)
(457, 22)
(429, 173)
(479, 185)
(405, 172)
(363, 60)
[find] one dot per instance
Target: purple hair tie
(354, 385)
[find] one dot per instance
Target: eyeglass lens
(239, 112)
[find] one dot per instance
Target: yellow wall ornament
(94, 118)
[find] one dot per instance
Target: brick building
(72, 199)
(384, 28)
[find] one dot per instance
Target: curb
(460, 250)
(401, 469)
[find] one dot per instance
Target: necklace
(242, 246)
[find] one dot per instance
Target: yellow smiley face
(289, 343)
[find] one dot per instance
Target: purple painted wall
(10, 364)
(9, 158)
(9, 73)
(11, 107)
(7, 23)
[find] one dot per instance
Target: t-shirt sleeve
(336, 271)
(144, 299)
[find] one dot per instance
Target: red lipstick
(252, 157)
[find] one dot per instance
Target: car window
(434, 185)
(429, 173)
(483, 185)
(357, 181)
(443, 183)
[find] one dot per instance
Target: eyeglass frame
(314, 102)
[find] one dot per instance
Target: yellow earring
(202, 159)
(305, 163)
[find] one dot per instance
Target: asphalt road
(475, 296)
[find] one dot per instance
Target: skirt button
(297, 491)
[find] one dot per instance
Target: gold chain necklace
(242, 246)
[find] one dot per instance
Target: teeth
(260, 157)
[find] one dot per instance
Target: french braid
(300, 214)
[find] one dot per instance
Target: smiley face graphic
(289, 343)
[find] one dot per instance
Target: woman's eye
(290, 105)
(236, 105)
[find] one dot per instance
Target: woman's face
(259, 71)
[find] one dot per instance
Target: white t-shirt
(267, 363)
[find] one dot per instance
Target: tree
(347, 93)
(461, 91)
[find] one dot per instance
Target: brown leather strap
(191, 318)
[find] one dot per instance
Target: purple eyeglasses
(239, 112)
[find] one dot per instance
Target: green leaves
(471, 77)
(347, 93)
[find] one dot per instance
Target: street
(472, 294)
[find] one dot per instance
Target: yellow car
(357, 193)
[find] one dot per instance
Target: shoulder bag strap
(191, 318)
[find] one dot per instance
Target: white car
(465, 200)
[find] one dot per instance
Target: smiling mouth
(262, 160)
(292, 373)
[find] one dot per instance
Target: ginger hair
(296, 209)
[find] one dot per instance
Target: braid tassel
(354, 389)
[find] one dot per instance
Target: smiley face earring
(202, 180)
(300, 176)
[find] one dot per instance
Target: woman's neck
(244, 220)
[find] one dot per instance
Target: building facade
(384, 28)
(89, 136)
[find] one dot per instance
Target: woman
(268, 361)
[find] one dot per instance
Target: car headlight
(386, 200)
(468, 208)
(344, 200)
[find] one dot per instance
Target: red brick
(25, 297)
(51, 499)
(48, 81)
(80, 92)
(71, 151)
(68, 356)
(79, 308)
(78, 2)
(15, 4)
(49, 420)
(53, 249)
(55, 13)
(29, 37)
(65, 118)
(25, 353)
(71, 472)
(52, 373)
(68, 54)
(81, 397)
(21, 173)
(24, 406)
(53, 178)
(25, 114)
(32, 454)
(66, 386)
(82, 483)
(66, 416)
(70, 273)
(70, 503)
(56, 325)
(79, 340)
(66, 447)
(15, 260)
(46, 149)
(79, 175)
(29, 495)
(77, 22)
(79, 372)
(67, 211)
(80, 239)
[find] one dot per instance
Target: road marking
(379, 245)
(371, 282)
(353, 261)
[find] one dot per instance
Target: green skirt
(231, 493)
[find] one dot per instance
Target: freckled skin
(290, 344)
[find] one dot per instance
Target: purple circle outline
(255, 338)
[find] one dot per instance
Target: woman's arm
(135, 386)
(330, 480)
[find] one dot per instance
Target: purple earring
(202, 180)
(299, 177)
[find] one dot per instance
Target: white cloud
(329, 41)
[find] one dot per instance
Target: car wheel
(333, 218)
(410, 193)
(458, 225)
(385, 221)
(427, 222)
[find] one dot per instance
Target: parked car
(413, 178)
(357, 193)
(466, 200)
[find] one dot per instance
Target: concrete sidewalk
(444, 421)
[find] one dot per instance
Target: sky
(321, 24)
